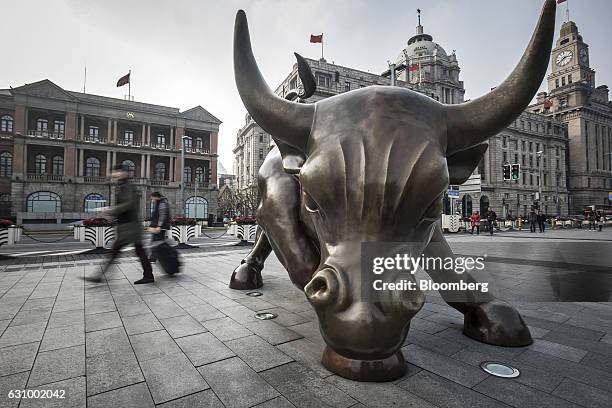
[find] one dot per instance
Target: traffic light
(516, 171)
(506, 172)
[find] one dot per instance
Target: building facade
(574, 99)
(58, 148)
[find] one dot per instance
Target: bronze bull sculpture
(372, 165)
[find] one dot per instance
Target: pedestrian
(475, 222)
(491, 220)
(541, 218)
(129, 226)
(592, 221)
(601, 219)
(160, 219)
(533, 219)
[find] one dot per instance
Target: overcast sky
(180, 51)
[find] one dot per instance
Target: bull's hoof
(246, 276)
(388, 369)
(496, 323)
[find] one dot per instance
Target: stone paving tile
(101, 321)
(272, 332)
(39, 303)
(229, 376)
(204, 348)
(11, 382)
(204, 399)
(226, 329)
(597, 346)
(446, 367)
(431, 342)
(306, 353)
(172, 376)
(61, 337)
(583, 394)
(258, 353)
(303, 388)
(152, 345)
(66, 318)
(204, 312)
(598, 361)
(445, 393)
(106, 341)
(57, 365)
(379, 395)
(182, 326)
(519, 395)
(279, 402)
(15, 359)
(141, 323)
(29, 316)
(558, 350)
(26, 333)
(112, 370)
(74, 396)
(285, 317)
(3, 325)
(133, 396)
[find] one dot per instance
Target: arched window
(161, 140)
(160, 171)
(44, 201)
(6, 164)
(187, 174)
(92, 167)
(93, 201)
(40, 163)
(57, 165)
(188, 142)
(196, 207)
(5, 204)
(130, 167)
(199, 175)
(6, 124)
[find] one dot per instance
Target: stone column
(19, 162)
(148, 169)
(142, 166)
(71, 126)
(109, 135)
(82, 128)
(81, 162)
(170, 141)
(114, 160)
(115, 131)
(148, 135)
(108, 162)
(21, 124)
(70, 161)
(143, 135)
(171, 171)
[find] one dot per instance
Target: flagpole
(129, 85)
(322, 46)
(85, 78)
(567, 10)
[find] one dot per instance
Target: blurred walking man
(160, 219)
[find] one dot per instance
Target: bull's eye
(310, 204)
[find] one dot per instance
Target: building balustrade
(160, 182)
(46, 134)
(96, 180)
(201, 185)
(197, 150)
(130, 143)
(160, 146)
(94, 139)
(45, 177)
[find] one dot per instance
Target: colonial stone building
(252, 146)
(58, 148)
(574, 99)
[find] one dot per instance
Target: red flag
(561, 1)
(548, 104)
(414, 67)
(316, 38)
(124, 80)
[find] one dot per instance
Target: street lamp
(539, 156)
(185, 137)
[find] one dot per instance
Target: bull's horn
(287, 122)
(473, 122)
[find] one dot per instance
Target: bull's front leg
(486, 319)
(248, 274)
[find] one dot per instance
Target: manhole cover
(265, 316)
(500, 369)
(254, 294)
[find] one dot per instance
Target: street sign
(453, 194)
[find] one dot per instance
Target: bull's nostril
(323, 288)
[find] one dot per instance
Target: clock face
(584, 56)
(564, 58)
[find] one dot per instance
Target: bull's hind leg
(248, 274)
(486, 318)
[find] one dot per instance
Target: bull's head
(377, 163)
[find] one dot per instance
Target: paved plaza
(190, 341)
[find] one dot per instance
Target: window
(531, 179)
(57, 165)
(530, 161)
(569, 79)
(261, 154)
(94, 133)
(504, 141)
(130, 168)
(6, 164)
(159, 172)
(161, 139)
(531, 146)
(199, 175)
(42, 126)
(199, 144)
(44, 201)
(58, 127)
(505, 157)
(188, 142)
(128, 137)
(557, 164)
(5, 204)
(6, 124)
(324, 81)
(196, 207)
(92, 167)
(261, 138)
(522, 145)
(515, 158)
(40, 164)
(347, 86)
(562, 81)
(557, 83)
(523, 160)
(187, 174)
(93, 201)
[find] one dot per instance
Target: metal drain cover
(254, 294)
(265, 315)
(499, 369)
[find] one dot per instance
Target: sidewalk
(191, 341)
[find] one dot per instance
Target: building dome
(421, 45)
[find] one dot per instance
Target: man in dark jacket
(541, 221)
(160, 218)
(491, 220)
(533, 220)
(129, 225)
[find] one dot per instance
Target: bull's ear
(462, 164)
(293, 159)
